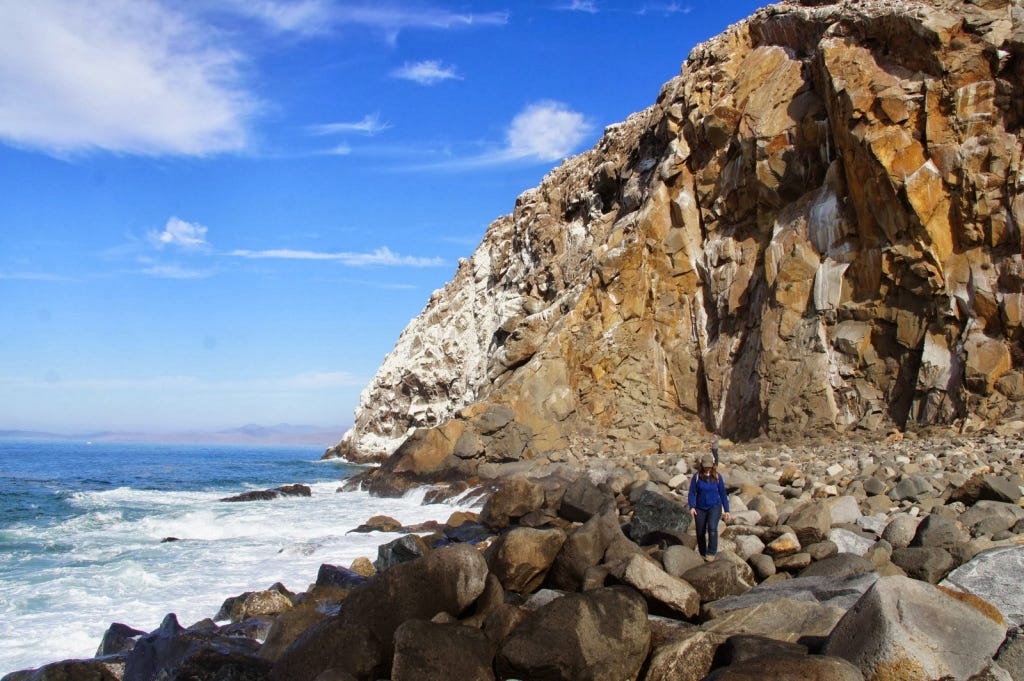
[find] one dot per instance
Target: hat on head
(707, 461)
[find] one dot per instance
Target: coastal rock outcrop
(816, 229)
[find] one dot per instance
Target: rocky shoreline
(901, 559)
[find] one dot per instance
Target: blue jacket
(705, 494)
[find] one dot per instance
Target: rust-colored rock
(815, 229)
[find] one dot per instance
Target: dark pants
(707, 529)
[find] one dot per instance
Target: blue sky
(220, 212)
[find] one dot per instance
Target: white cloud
(308, 17)
(338, 150)
(133, 77)
(380, 256)
(177, 232)
(545, 131)
(426, 72)
(581, 6)
(392, 17)
(171, 271)
(665, 9)
(389, 16)
(369, 125)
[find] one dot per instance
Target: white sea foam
(109, 564)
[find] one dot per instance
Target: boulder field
(897, 560)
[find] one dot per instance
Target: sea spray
(89, 546)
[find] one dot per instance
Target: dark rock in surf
(269, 494)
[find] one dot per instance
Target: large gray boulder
(522, 556)
(788, 667)
(688, 657)
(782, 619)
(719, 579)
(839, 565)
(990, 517)
(600, 635)
(939, 532)
(583, 500)
(583, 549)
(647, 577)
(995, 575)
(513, 499)
(904, 628)
(427, 651)
(927, 563)
(811, 522)
(838, 592)
(359, 640)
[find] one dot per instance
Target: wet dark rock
(118, 638)
(467, 532)
(70, 670)
(174, 652)
(338, 576)
(379, 523)
(401, 550)
(657, 518)
(268, 494)
(359, 639)
(583, 500)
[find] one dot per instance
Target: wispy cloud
(337, 150)
(369, 125)
(665, 8)
(190, 236)
(305, 17)
(588, 6)
(389, 17)
(381, 256)
(426, 72)
(174, 271)
(127, 77)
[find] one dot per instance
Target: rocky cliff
(816, 229)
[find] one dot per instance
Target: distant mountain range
(280, 434)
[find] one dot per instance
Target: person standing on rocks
(714, 448)
(707, 500)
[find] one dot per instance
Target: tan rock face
(816, 228)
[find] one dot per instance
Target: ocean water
(81, 530)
